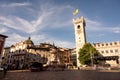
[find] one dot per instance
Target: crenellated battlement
(79, 20)
(106, 44)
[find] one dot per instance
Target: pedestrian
(4, 69)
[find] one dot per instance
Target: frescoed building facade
(20, 55)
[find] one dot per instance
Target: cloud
(21, 24)
(51, 16)
(41, 38)
(16, 5)
(101, 35)
(13, 39)
(3, 30)
(93, 25)
(57, 16)
(116, 29)
(98, 26)
(60, 43)
(17, 23)
(65, 44)
(47, 17)
(37, 38)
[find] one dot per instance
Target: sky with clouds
(51, 20)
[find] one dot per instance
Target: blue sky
(51, 20)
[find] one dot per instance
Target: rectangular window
(116, 50)
(106, 44)
(115, 43)
(110, 43)
(106, 51)
(102, 44)
(98, 44)
(102, 51)
(111, 51)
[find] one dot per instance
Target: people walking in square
(4, 69)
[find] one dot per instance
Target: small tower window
(78, 26)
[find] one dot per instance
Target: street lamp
(91, 56)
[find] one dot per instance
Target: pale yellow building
(109, 49)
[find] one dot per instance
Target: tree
(86, 53)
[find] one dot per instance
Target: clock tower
(80, 35)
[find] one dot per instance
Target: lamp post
(91, 56)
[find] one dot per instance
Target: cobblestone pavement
(62, 75)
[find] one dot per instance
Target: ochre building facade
(20, 55)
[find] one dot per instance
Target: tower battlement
(79, 20)
(108, 44)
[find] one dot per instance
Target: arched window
(115, 43)
(106, 44)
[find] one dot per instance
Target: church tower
(80, 35)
